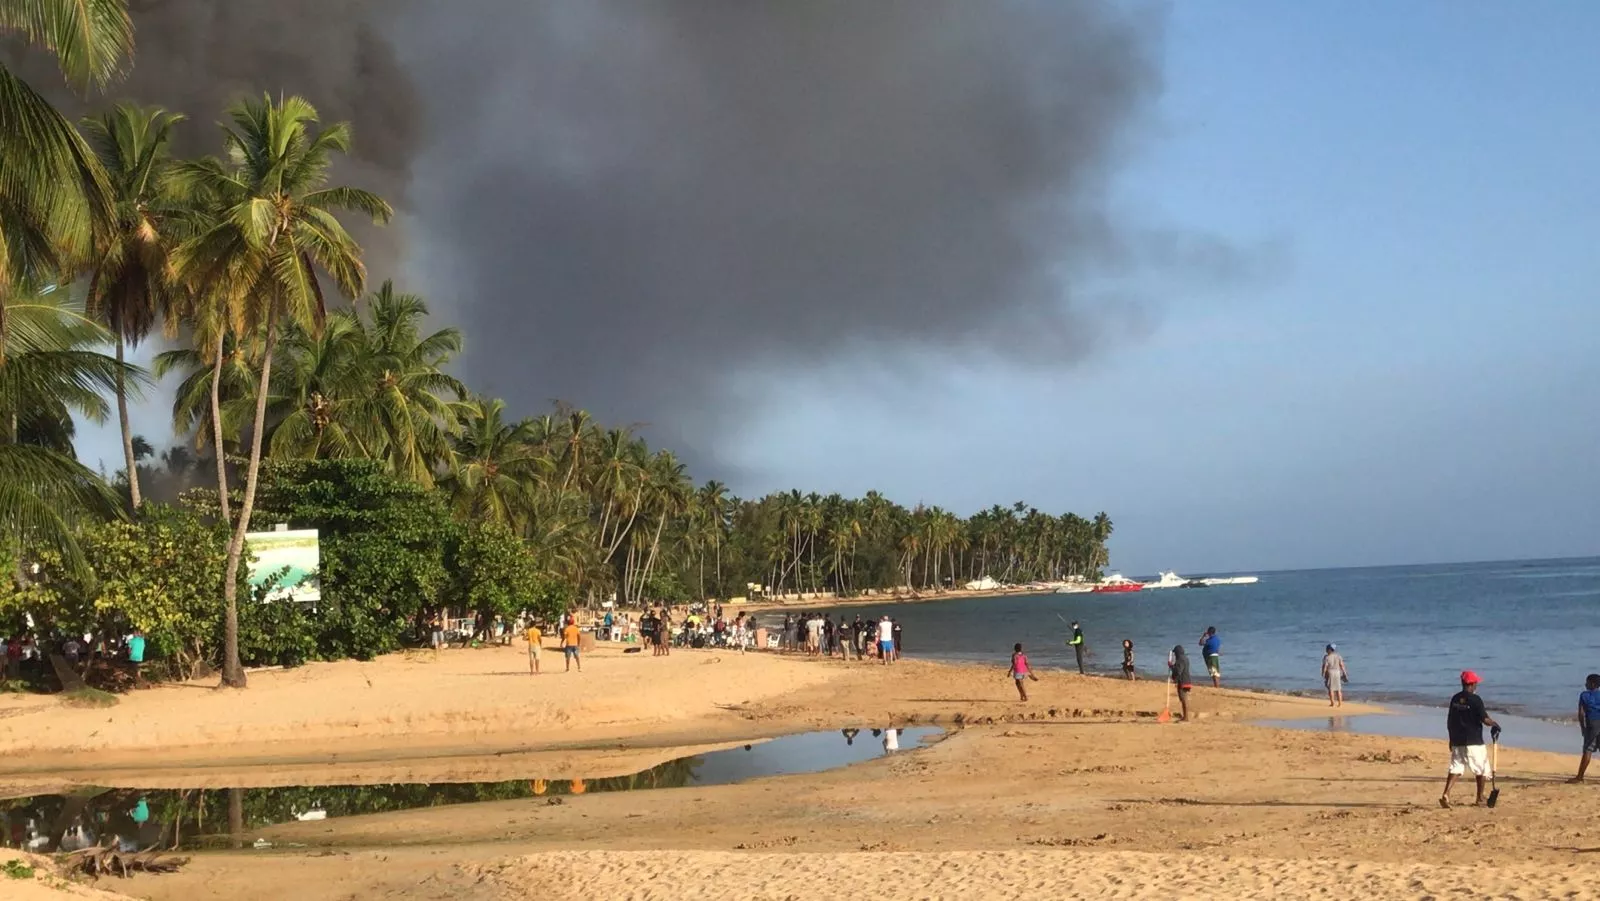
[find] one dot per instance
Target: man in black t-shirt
(1465, 723)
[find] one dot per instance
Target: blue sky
(1415, 381)
(1414, 376)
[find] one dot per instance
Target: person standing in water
(1178, 672)
(1076, 641)
(1020, 670)
(1465, 724)
(1588, 723)
(1211, 651)
(1334, 675)
(1127, 660)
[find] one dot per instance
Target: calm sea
(1531, 630)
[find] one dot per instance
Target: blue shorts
(886, 647)
(570, 651)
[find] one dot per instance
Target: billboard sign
(289, 560)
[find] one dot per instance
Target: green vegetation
(16, 868)
(426, 495)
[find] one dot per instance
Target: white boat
(1075, 588)
(1232, 580)
(1168, 580)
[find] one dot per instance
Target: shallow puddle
(138, 819)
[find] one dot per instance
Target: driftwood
(108, 861)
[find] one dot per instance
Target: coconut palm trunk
(127, 428)
(232, 671)
(216, 427)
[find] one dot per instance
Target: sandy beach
(1079, 793)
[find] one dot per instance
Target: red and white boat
(1116, 584)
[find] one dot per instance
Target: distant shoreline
(823, 602)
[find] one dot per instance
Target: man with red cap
(1465, 722)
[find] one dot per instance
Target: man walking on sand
(1465, 723)
(1211, 650)
(535, 637)
(1077, 645)
(1334, 675)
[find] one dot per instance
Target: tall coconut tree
(408, 395)
(274, 228)
(54, 196)
(132, 282)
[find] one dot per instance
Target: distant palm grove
(428, 496)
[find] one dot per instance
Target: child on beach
(1589, 722)
(1020, 670)
(1127, 659)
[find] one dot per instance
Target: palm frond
(92, 39)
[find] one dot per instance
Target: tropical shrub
(383, 541)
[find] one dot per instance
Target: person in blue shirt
(136, 655)
(1211, 650)
(1588, 722)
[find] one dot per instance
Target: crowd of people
(27, 656)
(818, 634)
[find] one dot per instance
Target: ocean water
(1530, 629)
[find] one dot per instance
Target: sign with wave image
(286, 564)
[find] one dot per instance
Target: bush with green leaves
(383, 542)
(275, 633)
(494, 574)
(160, 574)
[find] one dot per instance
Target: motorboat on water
(1074, 588)
(1116, 583)
(1168, 580)
(1221, 580)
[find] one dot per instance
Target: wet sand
(1079, 793)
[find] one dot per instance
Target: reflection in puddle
(140, 819)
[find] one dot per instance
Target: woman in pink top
(1020, 671)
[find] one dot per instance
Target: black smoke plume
(627, 205)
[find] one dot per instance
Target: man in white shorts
(1465, 722)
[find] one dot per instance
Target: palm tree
(131, 282)
(273, 227)
(409, 391)
(668, 498)
(712, 501)
(315, 408)
(54, 196)
(496, 466)
(48, 373)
